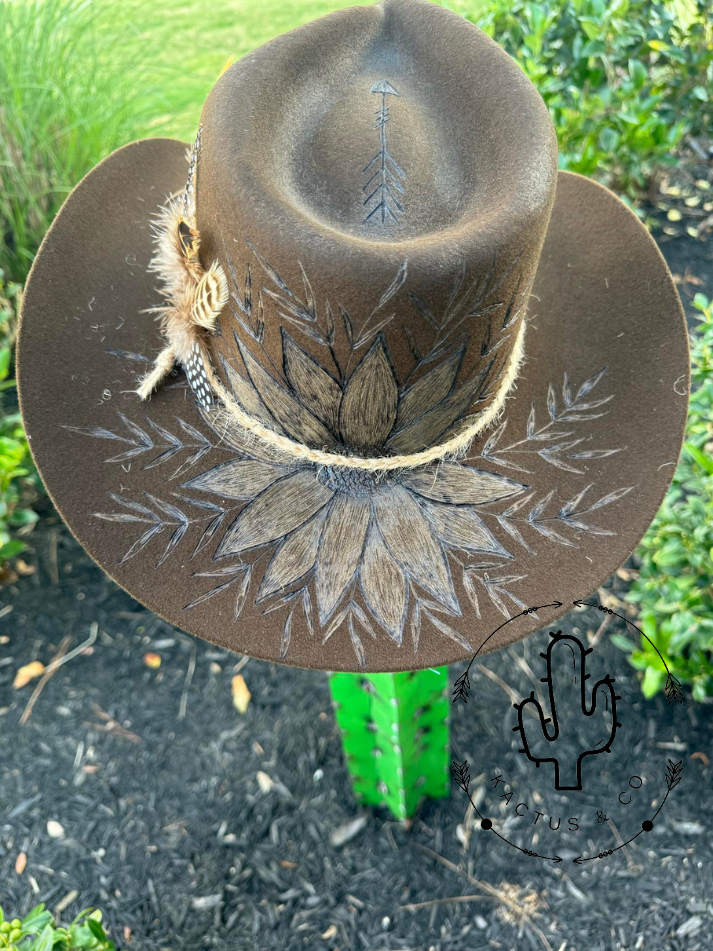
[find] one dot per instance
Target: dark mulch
(166, 827)
(691, 263)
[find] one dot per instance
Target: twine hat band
(194, 298)
(231, 412)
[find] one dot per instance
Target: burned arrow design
(386, 179)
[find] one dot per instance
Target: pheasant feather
(193, 298)
(210, 297)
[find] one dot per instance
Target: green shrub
(72, 89)
(38, 932)
(625, 81)
(674, 590)
(17, 475)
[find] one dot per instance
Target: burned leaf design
(368, 409)
(286, 638)
(460, 485)
(317, 390)
(173, 516)
(447, 630)
(173, 445)
(164, 515)
(347, 547)
(429, 390)
(356, 642)
(248, 398)
(215, 518)
(142, 442)
(428, 429)
(550, 441)
(238, 479)
(609, 498)
(459, 527)
(310, 304)
(295, 556)
(237, 575)
(432, 407)
(286, 298)
(410, 541)
(340, 550)
(373, 324)
(288, 412)
(478, 300)
(497, 592)
(241, 306)
(570, 515)
(286, 505)
(383, 585)
(307, 610)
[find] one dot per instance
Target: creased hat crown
(377, 185)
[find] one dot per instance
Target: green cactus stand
(395, 736)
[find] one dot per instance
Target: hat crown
(378, 182)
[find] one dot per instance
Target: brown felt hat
(429, 380)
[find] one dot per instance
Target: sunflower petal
(281, 509)
(368, 409)
(460, 484)
(232, 434)
(429, 390)
(248, 397)
(294, 558)
(459, 527)
(317, 390)
(383, 586)
(299, 423)
(424, 432)
(340, 549)
(238, 479)
(411, 543)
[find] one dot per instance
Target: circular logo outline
(461, 771)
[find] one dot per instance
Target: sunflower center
(352, 481)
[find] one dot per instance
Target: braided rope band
(452, 448)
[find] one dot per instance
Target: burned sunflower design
(354, 550)
(381, 534)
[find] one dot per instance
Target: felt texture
(286, 172)
(549, 501)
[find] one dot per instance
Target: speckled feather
(193, 297)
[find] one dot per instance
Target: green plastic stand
(395, 735)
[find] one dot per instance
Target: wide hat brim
(593, 427)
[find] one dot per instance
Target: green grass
(67, 97)
(78, 79)
(197, 37)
